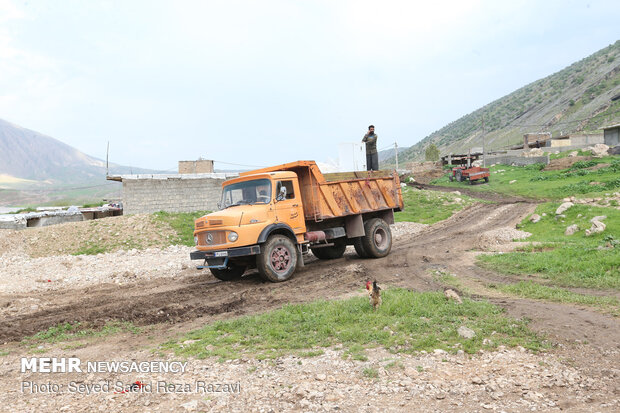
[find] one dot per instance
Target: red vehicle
(474, 173)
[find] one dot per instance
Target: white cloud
(8, 11)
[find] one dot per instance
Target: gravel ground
(491, 240)
(113, 234)
(512, 380)
(19, 272)
(505, 380)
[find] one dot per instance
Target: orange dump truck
(269, 218)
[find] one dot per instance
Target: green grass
(450, 280)
(566, 153)
(68, 331)
(533, 182)
(534, 290)
(429, 207)
(24, 210)
(182, 223)
(370, 373)
(406, 322)
(571, 261)
(92, 250)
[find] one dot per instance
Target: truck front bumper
(218, 259)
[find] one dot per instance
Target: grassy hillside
(577, 98)
(591, 178)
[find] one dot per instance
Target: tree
(432, 153)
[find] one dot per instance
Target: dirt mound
(110, 234)
(496, 237)
(425, 177)
(564, 163)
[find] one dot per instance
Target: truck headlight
(232, 236)
(195, 240)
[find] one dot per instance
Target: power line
(239, 164)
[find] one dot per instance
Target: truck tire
(377, 242)
(330, 253)
(278, 259)
(359, 248)
(233, 272)
(486, 179)
(450, 177)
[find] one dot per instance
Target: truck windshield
(246, 193)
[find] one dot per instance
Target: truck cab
(252, 208)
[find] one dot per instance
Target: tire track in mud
(195, 295)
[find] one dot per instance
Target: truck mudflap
(219, 259)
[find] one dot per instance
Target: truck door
(289, 209)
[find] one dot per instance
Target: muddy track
(199, 296)
(484, 195)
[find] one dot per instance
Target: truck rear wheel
(278, 259)
(330, 253)
(377, 242)
(233, 272)
(359, 248)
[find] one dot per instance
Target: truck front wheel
(277, 259)
(233, 272)
(330, 253)
(377, 242)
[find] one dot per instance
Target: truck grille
(212, 238)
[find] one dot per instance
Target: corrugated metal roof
(611, 126)
(214, 175)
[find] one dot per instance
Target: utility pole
(484, 158)
(396, 151)
(107, 156)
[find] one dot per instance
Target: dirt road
(587, 352)
(198, 295)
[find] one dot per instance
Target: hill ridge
(581, 97)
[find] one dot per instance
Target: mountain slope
(32, 156)
(582, 97)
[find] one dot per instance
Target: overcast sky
(267, 82)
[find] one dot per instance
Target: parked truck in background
(269, 218)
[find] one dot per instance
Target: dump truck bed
(340, 194)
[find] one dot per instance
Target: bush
(584, 164)
(431, 153)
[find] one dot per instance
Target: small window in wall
(290, 194)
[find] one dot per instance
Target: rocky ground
(166, 297)
(505, 380)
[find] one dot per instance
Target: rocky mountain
(583, 97)
(26, 155)
(37, 169)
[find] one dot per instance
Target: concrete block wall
(171, 195)
(517, 160)
(200, 166)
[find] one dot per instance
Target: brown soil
(111, 234)
(564, 163)
(193, 298)
(487, 196)
(196, 294)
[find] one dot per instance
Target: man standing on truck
(372, 157)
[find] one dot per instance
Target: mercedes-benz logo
(209, 238)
